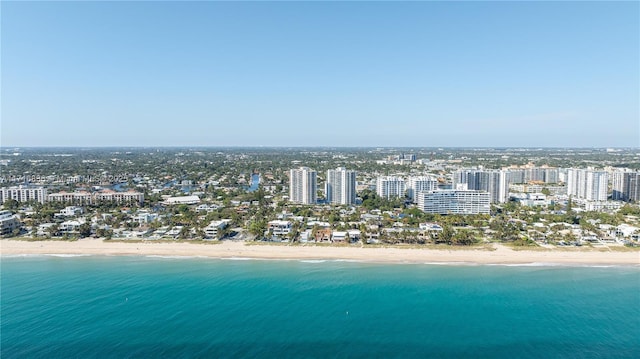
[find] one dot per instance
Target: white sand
(229, 249)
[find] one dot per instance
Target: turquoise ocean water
(134, 307)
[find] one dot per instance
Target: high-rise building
(390, 187)
(454, 202)
(618, 185)
(23, 194)
(626, 186)
(420, 184)
(493, 181)
(587, 184)
(303, 185)
(534, 174)
(341, 186)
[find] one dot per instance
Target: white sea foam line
(22, 255)
(551, 264)
(172, 257)
(452, 263)
(67, 255)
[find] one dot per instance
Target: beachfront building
(23, 194)
(390, 187)
(341, 186)
(626, 186)
(303, 183)
(8, 223)
(212, 230)
(493, 181)
(454, 202)
(420, 184)
(279, 228)
(587, 184)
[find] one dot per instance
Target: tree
(84, 230)
(184, 232)
(11, 204)
(446, 235)
(257, 228)
(223, 232)
(52, 231)
(463, 237)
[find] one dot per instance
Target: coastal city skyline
(317, 179)
(320, 74)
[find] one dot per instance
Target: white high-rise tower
(341, 186)
(587, 184)
(303, 185)
(416, 185)
(390, 187)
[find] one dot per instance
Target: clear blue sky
(328, 74)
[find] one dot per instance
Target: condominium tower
(23, 194)
(626, 186)
(390, 187)
(416, 185)
(587, 184)
(493, 181)
(341, 186)
(303, 185)
(454, 202)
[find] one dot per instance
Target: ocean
(139, 307)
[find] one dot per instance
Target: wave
(551, 264)
(452, 263)
(172, 257)
(68, 255)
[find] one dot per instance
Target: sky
(411, 74)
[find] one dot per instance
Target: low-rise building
(279, 228)
(212, 230)
(72, 226)
(71, 211)
(182, 200)
(8, 223)
(454, 202)
(23, 194)
(531, 199)
(84, 197)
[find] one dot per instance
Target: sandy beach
(229, 249)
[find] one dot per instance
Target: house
(354, 234)
(306, 236)
(628, 231)
(70, 226)
(430, 227)
(71, 211)
(143, 217)
(340, 236)
(211, 231)
(279, 228)
(323, 235)
(43, 229)
(207, 208)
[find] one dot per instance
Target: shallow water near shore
(57, 307)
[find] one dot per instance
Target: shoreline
(501, 255)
